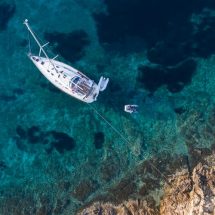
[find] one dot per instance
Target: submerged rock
(83, 189)
(34, 134)
(175, 78)
(61, 141)
(7, 11)
(70, 46)
(126, 208)
(99, 139)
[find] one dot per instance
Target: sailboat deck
(66, 78)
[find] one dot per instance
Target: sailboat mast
(38, 43)
(33, 35)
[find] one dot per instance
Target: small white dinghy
(65, 77)
(131, 108)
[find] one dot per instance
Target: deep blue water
(57, 154)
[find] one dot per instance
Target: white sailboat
(65, 77)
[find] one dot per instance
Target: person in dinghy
(131, 108)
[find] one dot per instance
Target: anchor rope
(117, 131)
(127, 141)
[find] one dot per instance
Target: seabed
(57, 155)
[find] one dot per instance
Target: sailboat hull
(64, 77)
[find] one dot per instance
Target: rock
(65, 42)
(130, 207)
(83, 190)
(184, 194)
(193, 195)
(7, 11)
(99, 139)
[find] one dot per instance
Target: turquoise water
(57, 154)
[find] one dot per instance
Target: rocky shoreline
(185, 193)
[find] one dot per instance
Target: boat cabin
(81, 85)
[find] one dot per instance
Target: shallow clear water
(57, 150)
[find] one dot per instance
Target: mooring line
(127, 141)
(117, 131)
